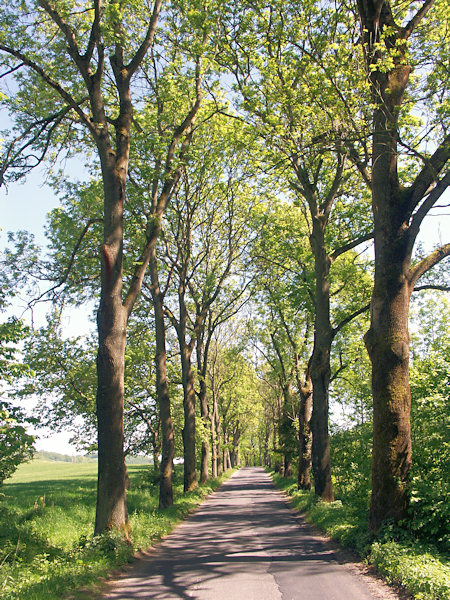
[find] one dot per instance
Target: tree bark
(217, 444)
(202, 360)
(190, 473)
(111, 511)
(305, 436)
(205, 451)
(320, 365)
(162, 388)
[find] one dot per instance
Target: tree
(82, 98)
(16, 445)
(206, 237)
(236, 391)
(430, 418)
(283, 265)
(74, 81)
(281, 58)
(402, 195)
(64, 379)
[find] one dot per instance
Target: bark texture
(305, 436)
(320, 364)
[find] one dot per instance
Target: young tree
(397, 39)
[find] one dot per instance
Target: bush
(16, 446)
(423, 574)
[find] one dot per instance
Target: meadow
(47, 511)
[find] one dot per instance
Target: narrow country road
(244, 543)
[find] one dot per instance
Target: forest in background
(258, 178)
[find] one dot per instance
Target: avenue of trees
(256, 180)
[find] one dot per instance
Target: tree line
(242, 159)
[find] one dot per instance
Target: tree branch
(426, 264)
(428, 175)
(65, 95)
(148, 40)
(426, 206)
(432, 286)
(420, 14)
(347, 320)
(350, 245)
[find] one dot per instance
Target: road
(244, 543)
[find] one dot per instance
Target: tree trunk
(387, 340)
(202, 358)
(111, 511)
(305, 436)
(216, 418)
(162, 388)
(190, 474)
(213, 448)
(226, 460)
(320, 366)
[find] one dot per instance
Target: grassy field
(47, 512)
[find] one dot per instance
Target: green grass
(422, 571)
(47, 512)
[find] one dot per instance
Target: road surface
(244, 543)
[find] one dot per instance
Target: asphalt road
(243, 543)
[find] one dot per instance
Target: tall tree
(205, 239)
(280, 59)
(393, 37)
(85, 99)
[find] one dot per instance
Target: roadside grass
(421, 570)
(47, 512)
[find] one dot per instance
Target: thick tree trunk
(320, 366)
(305, 436)
(321, 458)
(387, 340)
(111, 512)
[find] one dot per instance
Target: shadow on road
(243, 537)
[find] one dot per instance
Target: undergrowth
(47, 550)
(396, 554)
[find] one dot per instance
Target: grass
(47, 512)
(422, 571)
